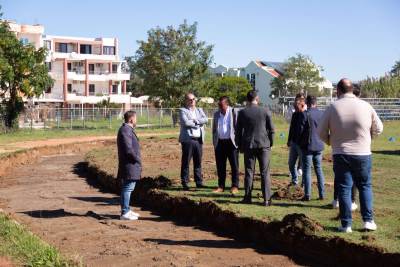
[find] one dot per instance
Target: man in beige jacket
(348, 125)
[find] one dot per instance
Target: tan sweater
(348, 125)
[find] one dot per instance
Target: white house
(85, 70)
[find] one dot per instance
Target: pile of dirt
(291, 192)
(300, 223)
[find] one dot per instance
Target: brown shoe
(218, 190)
(234, 190)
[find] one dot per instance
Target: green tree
(235, 88)
(22, 73)
(301, 74)
(170, 63)
(396, 68)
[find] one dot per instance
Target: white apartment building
(85, 70)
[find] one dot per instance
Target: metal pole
(70, 117)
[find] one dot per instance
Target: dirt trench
(56, 201)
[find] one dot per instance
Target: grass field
(162, 157)
(25, 249)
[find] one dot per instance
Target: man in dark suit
(254, 136)
(223, 129)
(129, 163)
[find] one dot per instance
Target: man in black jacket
(254, 136)
(129, 163)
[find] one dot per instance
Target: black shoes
(185, 187)
(200, 186)
(305, 199)
(246, 200)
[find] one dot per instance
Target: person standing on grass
(191, 137)
(347, 125)
(254, 136)
(223, 129)
(296, 123)
(129, 163)
(335, 202)
(311, 149)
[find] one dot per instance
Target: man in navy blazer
(129, 163)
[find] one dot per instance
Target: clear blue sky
(348, 38)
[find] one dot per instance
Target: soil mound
(291, 192)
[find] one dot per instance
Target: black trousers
(226, 150)
(191, 149)
(263, 155)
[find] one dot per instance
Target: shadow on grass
(387, 152)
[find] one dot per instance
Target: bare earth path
(55, 201)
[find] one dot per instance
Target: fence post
(109, 118)
(148, 118)
(160, 116)
(70, 118)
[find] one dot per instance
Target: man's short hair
(128, 115)
(356, 90)
(299, 96)
(345, 86)
(223, 98)
(311, 100)
(188, 94)
(251, 95)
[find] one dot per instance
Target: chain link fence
(98, 118)
(386, 108)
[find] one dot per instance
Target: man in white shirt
(223, 129)
(348, 125)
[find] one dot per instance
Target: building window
(253, 80)
(91, 68)
(24, 41)
(114, 68)
(62, 48)
(69, 66)
(69, 88)
(109, 50)
(85, 49)
(115, 88)
(91, 89)
(47, 44)
(48, 90)
(48, 64)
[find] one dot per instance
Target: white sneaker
(370, 226)
(335, 204)
(135, 213)
(129, 216)
(345, 229)
(354, 206)
(299, 172)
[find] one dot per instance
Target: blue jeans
(348, 170)
(126, 189)
(294, 153)
(316, 159)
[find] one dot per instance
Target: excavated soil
(56, 201)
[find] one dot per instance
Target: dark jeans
(348, 170)
(192, 149)
(226, 150)
(353, 191)
(316, 159)
(294, 154)
(127, 187)
(263, 155)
